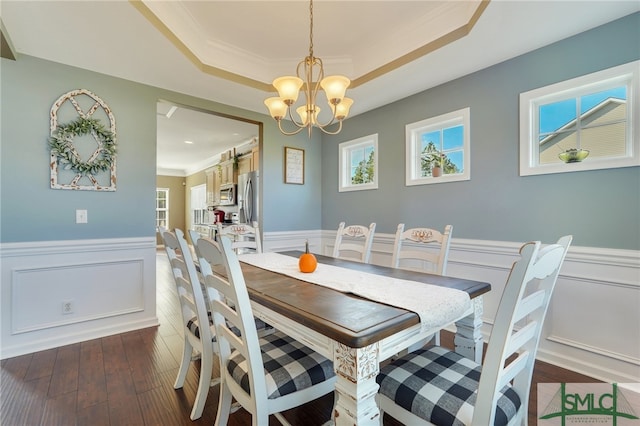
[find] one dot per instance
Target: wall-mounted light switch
(81, 216)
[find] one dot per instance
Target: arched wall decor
(75, 164)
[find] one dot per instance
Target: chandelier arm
(284, 132)
(293, 120)
(322, 128)
(333, 119)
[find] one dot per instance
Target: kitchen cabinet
(216, 186)
(213, 185)
(228, 173)
(249, 162)
(245, 164)
(205, 231)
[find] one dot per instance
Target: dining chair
(194, 236)
(422, 249)
(245, 238)
(262, 327)
(199, 341)
(267, 375)
(359, 240)
(436, 386)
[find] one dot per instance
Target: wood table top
(346, 318)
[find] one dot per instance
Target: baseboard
(59, 340)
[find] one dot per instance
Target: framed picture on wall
(293, 165)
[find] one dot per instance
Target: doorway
(191, 141)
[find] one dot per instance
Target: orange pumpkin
(307, 262)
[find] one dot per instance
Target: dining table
(356, 332)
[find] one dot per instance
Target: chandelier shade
(310, 78)
(288, 88)
(342, 109)
(335, 87)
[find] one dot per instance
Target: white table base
(357, 368)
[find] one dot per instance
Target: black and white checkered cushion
(194, 327)
(289, 366)
(440, 386)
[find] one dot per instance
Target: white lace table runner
(437, 306)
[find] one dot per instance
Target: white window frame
(627, 74)
(166, 190)
(413, 147)
(345, 149)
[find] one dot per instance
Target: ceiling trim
(7, 50)
(451, 36)
(214, 71)
(424, 50)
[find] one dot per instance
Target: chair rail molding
(592, 325)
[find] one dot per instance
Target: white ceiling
(185, 45)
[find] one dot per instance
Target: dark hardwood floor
(127, 379)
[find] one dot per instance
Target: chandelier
(311, 70)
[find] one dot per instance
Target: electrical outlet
(81, 216)
(67, 307)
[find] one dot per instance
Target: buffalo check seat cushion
(289, 366)
(440, 386)
(194, 327)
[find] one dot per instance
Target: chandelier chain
(311, 28)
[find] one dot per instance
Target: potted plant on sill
(436, 160)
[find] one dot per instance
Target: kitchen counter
(209, 229)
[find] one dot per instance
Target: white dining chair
(262, 327)
(267, 375)
(245, 238)
(199, 341)
(422, 249)
(357, 244)
(194, 236)
(436, 386)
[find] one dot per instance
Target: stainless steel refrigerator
(248, 202)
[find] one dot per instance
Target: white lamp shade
(288, 88)
(341, 111)
(335, 87)
(302, 112)
(277, 107)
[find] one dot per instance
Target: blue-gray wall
(600, 208)
(31, 211)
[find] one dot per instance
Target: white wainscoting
(110, 284)
(593, 323)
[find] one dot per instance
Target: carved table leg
(468, 339)
(356, 386)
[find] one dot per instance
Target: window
(595, 113)
(198, 205)
(359, 164)
(162, 208)
(437, 149)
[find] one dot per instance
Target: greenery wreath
(61, 144)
